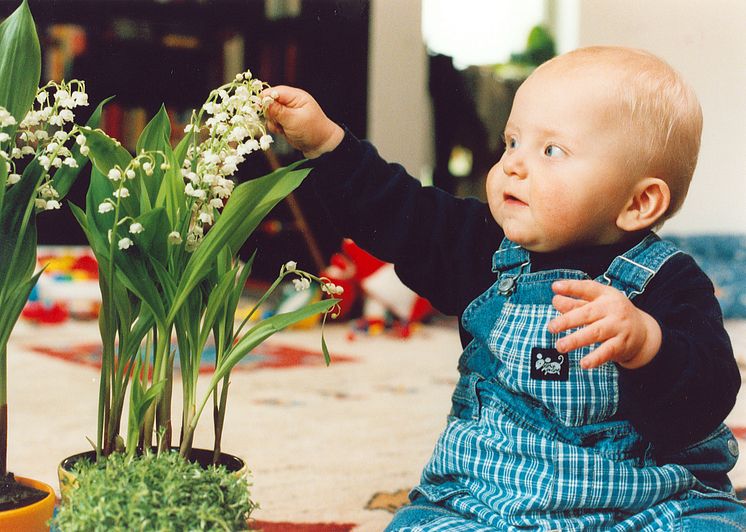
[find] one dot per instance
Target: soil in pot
(15, 495)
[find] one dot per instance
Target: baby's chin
(528, 241)
(519, 234)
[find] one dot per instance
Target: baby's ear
(649, 202)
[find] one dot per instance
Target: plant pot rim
(34, 506)
(203, 456)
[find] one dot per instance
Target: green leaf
(98, 245)
(325, 350)
(155, 138)
(3, 184)
(166, 280)
(263, 330)
(171, 192)
(156, 133)
(153, 239)
(248, 205)
(124, 308)
(240, 284)
(140, 328)
(18, 230)
(131, 264)
(183, 146)
(140, 401)
(106, 153)
(20, 63)
(13, 305)
(100, 188)
(225, 331)
(132, 270)
(216, 301)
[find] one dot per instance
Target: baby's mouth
(510, 199)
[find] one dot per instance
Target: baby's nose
(514, 163)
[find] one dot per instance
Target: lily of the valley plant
(166, 226)
(41, 153)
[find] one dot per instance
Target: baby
(596, 371)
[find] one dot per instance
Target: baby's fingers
(565, 304)
(579, 289)
(284, 95)
(595, 333)
(275, 127)
(575, 313)
(606, 352)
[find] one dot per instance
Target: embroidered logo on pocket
(548, 364)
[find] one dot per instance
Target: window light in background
(479, 32)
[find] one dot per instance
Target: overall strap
(509, 262)
(509, 258)
(632, 271)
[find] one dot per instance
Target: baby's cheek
(554, 212)
(549, 202)
(494, 189)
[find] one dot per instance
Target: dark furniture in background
(470, 110)
(147, 53)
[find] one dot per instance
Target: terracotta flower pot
(31, 518)
(68, 479)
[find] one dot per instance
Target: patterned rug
(267, 355)
(267, 526)
(330, 448)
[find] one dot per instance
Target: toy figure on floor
(596, 371)
(373, 289)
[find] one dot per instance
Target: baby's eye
(553, 151)
(511, 142)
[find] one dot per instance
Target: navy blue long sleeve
(442, 247)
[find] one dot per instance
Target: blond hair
(657, 107)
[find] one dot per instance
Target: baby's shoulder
(680, 273)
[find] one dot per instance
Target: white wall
(706, 41)
(399, 110)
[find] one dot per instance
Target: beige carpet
(322, 442)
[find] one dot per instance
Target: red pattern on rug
(267, 356)
(271, 526)
(739, 432)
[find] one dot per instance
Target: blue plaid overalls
(529, 443)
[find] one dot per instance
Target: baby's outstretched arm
(605, 315)
(299, 118)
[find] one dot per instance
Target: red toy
(362, 274)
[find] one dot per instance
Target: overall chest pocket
(527, 363)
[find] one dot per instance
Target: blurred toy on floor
(373, 291)
(67, 288)
(374, 299)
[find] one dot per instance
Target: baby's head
(601, 143)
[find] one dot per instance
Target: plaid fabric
(586, 397)
(532, 450)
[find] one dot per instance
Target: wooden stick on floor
(300, 219)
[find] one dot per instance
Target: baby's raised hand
(604, 315)
(299, 118)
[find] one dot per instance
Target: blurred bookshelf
(173, 52)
